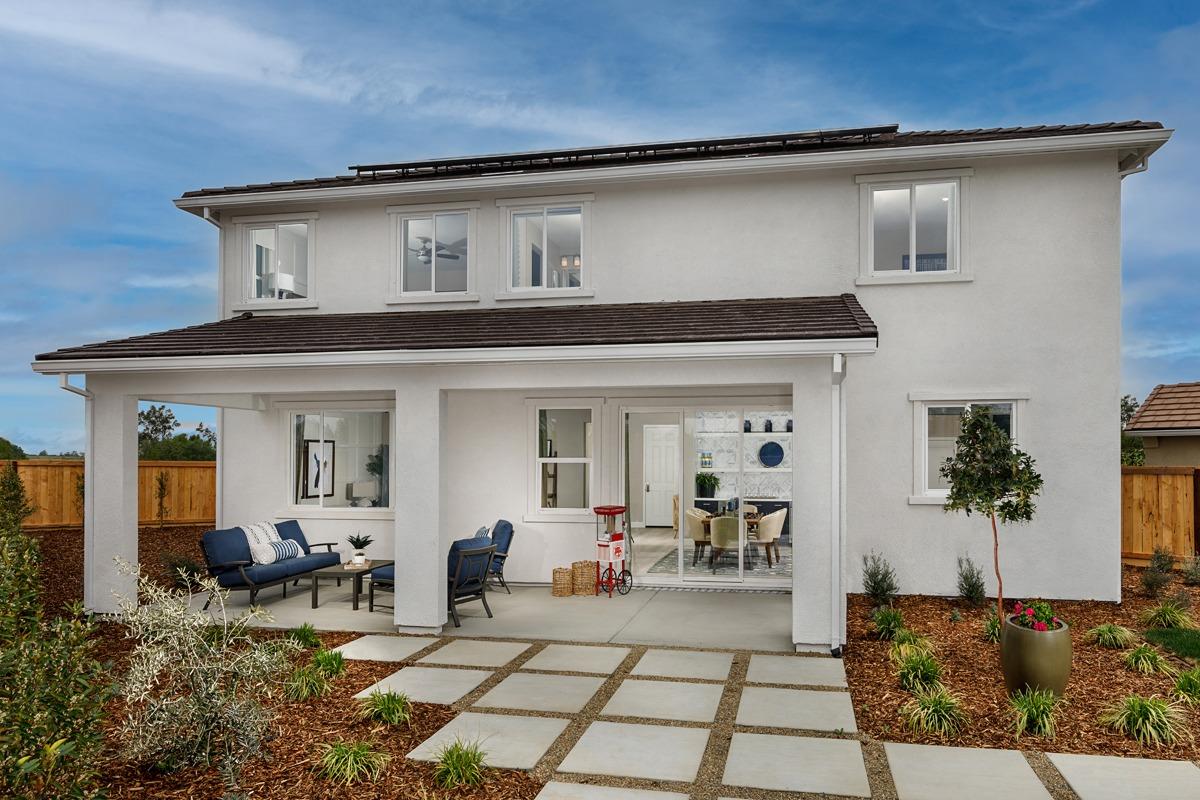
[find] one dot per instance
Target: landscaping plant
(1034, 710)
(331, 663)
(970, 582)
(459, 764)
(306, 682)
(907, 642)
(1150, 720)
(1038, 615)
(194, 689)
(348, 763)
(990, 475)
(162, 489)
(1187, 686)
(879, 580)
(919, 671)
(887, 621)
(305, 636)
(1157, 573)
(934, 710)
(52, 689)
(991, 628)
(390, 708)
(1111, 636)
(1183, 642)
(184, 571)
(1191, 572)
(1146, 659)
(1168, 614)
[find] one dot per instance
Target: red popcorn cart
(612, 527)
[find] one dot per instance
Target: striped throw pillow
(285, 548)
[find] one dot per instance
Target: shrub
(1146, 659)
(991, 628)
(1149, 720)
(907, 642)
(919, 671)
(1034, 710)
(52, 689)
(970, 582)
(887, 621)
(184, 571)
(459, 764)
(350, 762)
(955, 615)
(306, 682)
(1153, 581)
(879, 579)
(1183, 642)
(305, 636)
(390, 708)
(1187, 686)
(194, 688)
(1111, 636)
(331, 663)
(934, 710)
(1191, 572)
(1162, 560)
(1168, 614)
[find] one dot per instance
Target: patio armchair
(469, 567)
(725, 538)
(227, 556)
(502, 536)
(694, 521)
(770, 528)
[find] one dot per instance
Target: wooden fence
(55, 487)
(1158, 509)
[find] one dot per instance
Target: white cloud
(196, 280)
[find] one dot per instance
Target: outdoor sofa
(227, 555)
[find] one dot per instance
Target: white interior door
(660, 471)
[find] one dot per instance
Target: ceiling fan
(451, 252)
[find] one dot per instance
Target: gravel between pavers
(1053, 780)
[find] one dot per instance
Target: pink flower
(1029, 612)
(1017, 607)
(1040, 626)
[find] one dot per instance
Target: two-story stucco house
(416, 349)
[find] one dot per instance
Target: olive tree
(990, 475)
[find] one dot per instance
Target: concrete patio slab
(511, 742)
(430, 684)
(475, 653)
(933, 772)
(684, 664)
(797, 764)
(558, 790)
(377, 647)
(797, 670)
(687, 702)
(653, 752)
(563, 693)
(578, 658)
(1114, 778)
(803, 709)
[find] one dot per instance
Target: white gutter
(837, 407)
(1164, 432)
(484, 355)
(1149, 139)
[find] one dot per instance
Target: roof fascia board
(1150, 139)
(1164, 432)
(444, 357)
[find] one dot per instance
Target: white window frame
(922, 494)
(245, 227)
(291, 509)
(868, 184)
(534, 511)
(518, 205)
(397, 216)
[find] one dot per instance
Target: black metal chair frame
(499, 574)
(253, 587)
(472, 589)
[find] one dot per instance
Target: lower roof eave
(782, 348)
(1163, 432)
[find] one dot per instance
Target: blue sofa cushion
(502, 536)
(481, 540)
(290, 529)
(225, 546)
(386, 574)
(295, 566)
(259, 573)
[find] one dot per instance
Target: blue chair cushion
(386, 574)
(225, 546)
(464, 544)
(502, 536)
(290, 529)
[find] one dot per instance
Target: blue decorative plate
(770, 454)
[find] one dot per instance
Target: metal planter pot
(1037, 659)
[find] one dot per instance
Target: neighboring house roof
(868, 138)
(1170, 407)
(836, 317)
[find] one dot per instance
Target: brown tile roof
(881, 136)
(1173, 406)
(836, 317)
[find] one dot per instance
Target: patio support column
(110, 528)
(420, 600)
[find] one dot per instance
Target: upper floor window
(277, 256)
(912, 225)
(547, 248)
(434, 256)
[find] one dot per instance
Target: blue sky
(112, 109)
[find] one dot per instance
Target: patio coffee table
(342, 571)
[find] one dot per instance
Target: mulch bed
(971, 670)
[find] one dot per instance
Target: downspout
(835, 504)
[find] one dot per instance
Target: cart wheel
(624, 582)
(608, 579)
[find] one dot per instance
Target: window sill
(541, 294)
(926, 500)
(306, 512)
(448, 297)
(271, 305)
(571, 518)
(920, 277)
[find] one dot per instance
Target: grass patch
(1114, 637)
(1147, 660)
(390, 708)
(919, 672)
(331, 663)
(459, 764)
(1187, 686)
(887, 621)
(1151, 721)
(1168, 614)
(306, 683)
(936, 711)
(305, 636)
(351, 762)
(1180, 641)
(1034, 710)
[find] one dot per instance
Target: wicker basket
(560, 584)
(583, 577)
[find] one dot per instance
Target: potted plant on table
(360, 543)
(990, 475)
(706, 484)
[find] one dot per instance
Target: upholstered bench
(227, 554)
